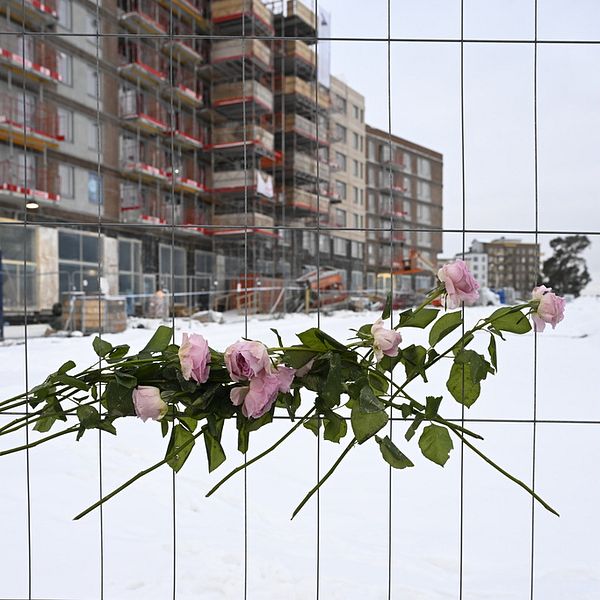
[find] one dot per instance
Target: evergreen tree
(565, 271)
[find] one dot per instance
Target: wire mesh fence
(186, 156)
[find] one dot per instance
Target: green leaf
(50, 413)
(412, 429)
(118, 400)
(117, 353)
(391, 454)
(387, 308)
(164, 427)
(368, 402)
(246, 426)
(335, 427)
(435, 444)
(314, 424)
(71, 381)
(492, 352)
(413, 359)
(214, 451)
(509, 319)
(421, 319)
(298, 356)
(388, 363)
(479, 366)
(442, 327)
(107, 426)
(180, 445)
(333, 384)
(125, 379)
(366, 425)
(379, 384)
(88, 416)
(279, 340)
(101, 347)
(66, 367)
(432, 405)
(462, 385)
(318, 340)
(159, 341)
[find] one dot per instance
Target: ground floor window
(78, 256)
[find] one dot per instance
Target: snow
(138, 541)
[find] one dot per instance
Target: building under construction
(185, 145)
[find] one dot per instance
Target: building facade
(403, 210)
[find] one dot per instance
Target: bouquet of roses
(192, 389)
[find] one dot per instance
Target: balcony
(299, 59)
(143, 112)
(301, 96)
(141, 63)
(184, 45)
(36, 127)
(240, 224)
(144, 170)
(188, 179)
(306, 167)
(227, 56)
(304, 129)
(236, 182)
(302, 200)
(142, 205)
(394, 165)
(22, 181)
(233, 16)
(231, 99)
(186, 133)
(187, 215)
(31, 13)
(190, 10)
(300, 20)
(30, 58)
(144, 16)
(232, 137)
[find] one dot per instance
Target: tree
(565, 271)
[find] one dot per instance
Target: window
(356, 196)
(94, 188)
(64, 66)
(423, 213)
(78, 255)
(362, 197)
(93, 135)
(65, 14)
(356, 112)
(359, 221)
(355, 168)
(423, 168)
(340, 188)
(385, 153)
(91, 27)
(65, 124)
(341, 133)
(93, 82)
(340, 217)
(66, 175)
(424, 238)
(355, 141)
(172, 266)
(424, 190)
(372, 150)
(308, 242)
(372, 179)
(130, 266)
(356, 249)
(324, 245)
(341, 104)
(371, 202)
(340, 246)
(340, 159)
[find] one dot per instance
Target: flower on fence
(548, 308)
(385, 341)
(148, 403)
(258, 397)
(460, 285)
(245, 360)
(194, 358)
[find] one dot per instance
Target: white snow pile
(142, 534)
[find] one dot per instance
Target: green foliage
(444, 326)
(414, 359)
(332, 389)
(366, 424)
(435, 444)
(101, 347)
(214, 451)
(160, 340)
(420, 319)
(335, 427)
(492, 352)
(391, 454)
(432, 405)
(180, 445)
(566, 271)
(509, 319)
(468, 370)
(387, 307)
(368, 402)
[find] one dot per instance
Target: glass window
(340, 159)
(356, 112)
(339, 246)
(324, 245)
(341, 104)
(66, 175)
(356, 195)
(65, 14)
(68, 246)
(372, 150)
(65, 124)
(340, 188)
(93, 82)
(12, 243)
(308, 242)
(89, 248)
(355, 141)
(424, 168)
(93, 137)
(94, 188)
(64, 66)
(91, 26)
(341, 133)
(424, 190)
(340, 217)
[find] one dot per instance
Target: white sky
(499, 113)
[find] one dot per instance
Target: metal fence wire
(183, 41)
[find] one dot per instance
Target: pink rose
(460, 284)
(245, 360)
(258, 397)
(551, 308)
(148, 404)
(385, 341)
(305, 370)
(194, 357)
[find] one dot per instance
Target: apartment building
(403, 210)
(348, 135)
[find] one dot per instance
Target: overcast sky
(499, 106)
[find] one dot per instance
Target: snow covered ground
(425, 527)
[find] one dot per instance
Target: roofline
(403, 142)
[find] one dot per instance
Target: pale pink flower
(551, 308)
(258, 397)
(194, 357)
(460, 284)
(245, 360)
(305, 370)
(148, 404)
(385, 341)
